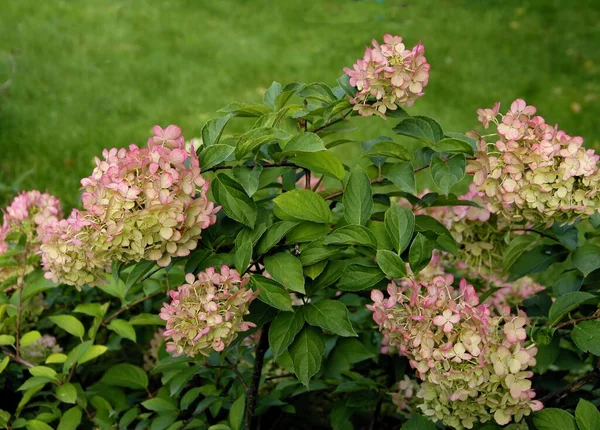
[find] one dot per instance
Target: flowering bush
(240, 279)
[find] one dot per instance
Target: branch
(267, 165)
(323, 127)
(129, 306)
(252, 393)
(15, 358)
(532, 230)
(596, 315)
(572, 387)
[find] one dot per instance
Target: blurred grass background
(99, 73)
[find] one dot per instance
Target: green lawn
(99, 73)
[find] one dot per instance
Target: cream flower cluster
(27, 215)
(388, 76)
(206, 313)
(533, 171)
(473, 365)
(140, 203)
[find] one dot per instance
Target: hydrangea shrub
(246, 280)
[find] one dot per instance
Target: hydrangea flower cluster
(28, 214)
(473, 365)
(534, 171)
(75, 251)
(206, 313)
(140, 203)
(388, 76)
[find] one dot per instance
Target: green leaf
(255, 138)
(318, 91)
(400, 225)
(146, 319)
(357, 277)
(114, 287)
(307, 352)
(587, 416)
(4, 363)
(314, 254)
(358, 197)
(43, 371)
(287, 270)
(554, 419)
(271, 94)
(30, 337)
(586, 336)
(75, 354)
(304, 142)
(212, 131)
(391, 264)
(138, 271)
(236, 413)
(567, 282)
(565, 304)
(446, 173)
(70, 324)
(402, 175)
(418, 422)
(56, 358)
(586, 258)
(333, 271)
(329, 315)
(123, 328)
(353, 234)
(245, 110)
(243, 255)
(273, 235)
(36, 381)
(537, 260)
(7, 339)
(421, 128)
(128, 417)
(66, 393)
(453, 146)
(283, 330)
(515, 248)
(303, 205)
(91, 309)
(307, 232)
(91, 353)
(215, 154)
(248, 178)
(37, 425)
(420, 253)
(236, 203)
(159, 405)
(323, 162)
(382, 148)
(444, 241)
(271, 293)
(70, 419)
(126, 375)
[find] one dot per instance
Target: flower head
(144, 203)
(206, 313)
(388, 76)
(473, 366)
(533, 171)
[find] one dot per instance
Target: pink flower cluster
(206, 313)
(28, 214)
(388, 76)
(140, 203)
(473, 365)
(533, 171)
